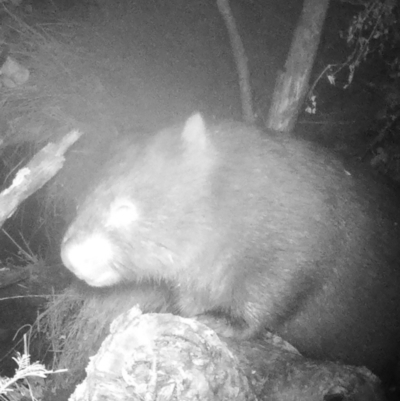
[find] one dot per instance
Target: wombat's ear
(194, 133)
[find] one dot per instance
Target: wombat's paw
(220, 325)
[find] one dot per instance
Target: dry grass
(63, 92)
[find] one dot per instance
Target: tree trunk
(292, 84)
(240, 60)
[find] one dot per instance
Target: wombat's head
(147, 217)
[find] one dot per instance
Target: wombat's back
(315, 248)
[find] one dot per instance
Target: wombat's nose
(89, 259)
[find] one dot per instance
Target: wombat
(253, 231)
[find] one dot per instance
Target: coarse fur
(262, 230)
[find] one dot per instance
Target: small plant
(28, 381)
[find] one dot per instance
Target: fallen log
(162, 356)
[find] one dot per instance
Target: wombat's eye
(122, 213)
